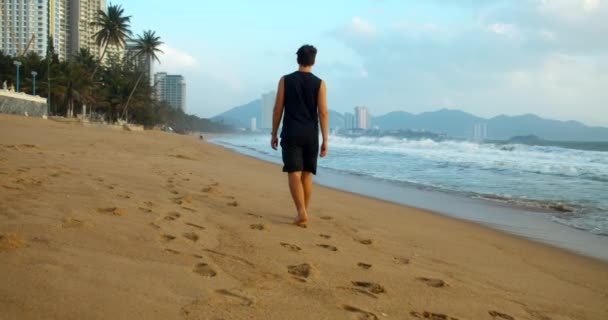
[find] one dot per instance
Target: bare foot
(300, 220)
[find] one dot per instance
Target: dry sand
(102, 224)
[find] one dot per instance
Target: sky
(486, 57)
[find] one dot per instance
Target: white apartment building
(80, 32)
(363, 119)
(25, 26)
(141, 62)
(172, 89)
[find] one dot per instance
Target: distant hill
(240, 116)
(460, 124)
(454, 123)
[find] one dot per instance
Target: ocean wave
(570, 184)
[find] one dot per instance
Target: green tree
(148, 47)
(114, 29)
(74, 85)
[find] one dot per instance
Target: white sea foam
(529, 175)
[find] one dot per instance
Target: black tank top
(301, 116)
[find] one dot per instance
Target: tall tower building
(268, 100)
(363, 120)
(349, 120)
(172, 89)
(79, 15)
(141, 62)
(26, 24)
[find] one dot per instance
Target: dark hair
(306, 55)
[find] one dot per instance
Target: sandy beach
(105, 224)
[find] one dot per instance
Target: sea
(569, 183)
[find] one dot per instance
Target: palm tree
(74, 85)
(114, 29)
(147, 46)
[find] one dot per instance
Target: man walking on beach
(303, 97)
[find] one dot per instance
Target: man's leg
(297, 193)
(307, 187)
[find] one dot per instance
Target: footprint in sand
(242, 300)
(69, 223)
(113, 211)
(124, 196)
(204, 270)
(328, 247)
(254, 215)
(304, 270)
(360, 313)
(233, 204)
(195, 225)
(10, 241)
(154, 225)
(258, 226)
(366, 242)
(191, 236)
(537, 315)
(146, 210)
(172, 216)
(291, 247)
(172, 251)
(187, 199)
(435, 283)
(189, 209)
(401, 260)
(365, 266)
(369, 286)
(500, 315)
(431, 316)
(167, 238)
(326, 218)
(325, 236)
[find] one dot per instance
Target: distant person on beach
(303, 98)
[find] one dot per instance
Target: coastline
(530, 223)
(96, 223)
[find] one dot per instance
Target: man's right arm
(323, 118)
(277, 114)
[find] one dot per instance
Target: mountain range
(454, 123)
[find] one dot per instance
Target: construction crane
(27, 47)
(9, 29)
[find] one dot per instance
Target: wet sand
(103, 224)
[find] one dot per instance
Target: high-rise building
(363, 120)
(480, 131)
(349, 120)
(254, 126)
(141, 62)
(25, 26)
(172, 89)
(268, 100)
(79, 15)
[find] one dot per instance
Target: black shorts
(300, 157)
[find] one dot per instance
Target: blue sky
(487, 57)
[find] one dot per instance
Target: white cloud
(543, 57)
(175, 60)
(591, 5)
(360, 26)
(502, 28)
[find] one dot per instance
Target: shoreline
(98, 224)
(530, 223)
